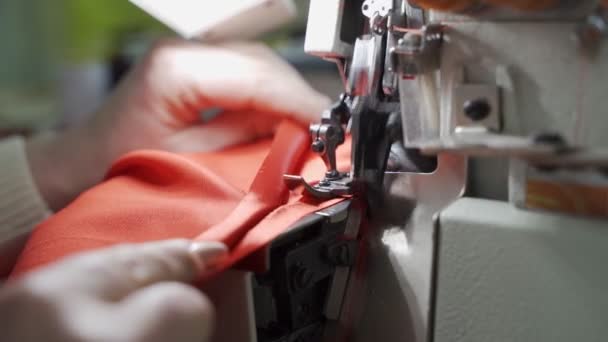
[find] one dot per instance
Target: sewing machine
(476, 204)
(500, 116)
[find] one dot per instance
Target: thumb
(167, 312)
(112, 274)
(137, 266)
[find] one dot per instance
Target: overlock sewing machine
(477, 200)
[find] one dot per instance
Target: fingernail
(208, 255)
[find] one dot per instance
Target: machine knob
(478, 109)
(318, 146)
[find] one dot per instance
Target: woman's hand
(135, 293)
(159, 106)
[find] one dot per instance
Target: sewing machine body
(511, 105)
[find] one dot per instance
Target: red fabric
(236, 196)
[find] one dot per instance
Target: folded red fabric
(236, 196)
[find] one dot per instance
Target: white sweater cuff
(21, 205)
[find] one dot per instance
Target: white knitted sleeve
(21, 205)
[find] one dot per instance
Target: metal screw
(324, 183)
(330, 132)
(550, 138)
(478, 109)
(340, 255)
(597, 26)
(304, 312)
(593, 30)
(301, 277)
(318, 146)
(411, 40)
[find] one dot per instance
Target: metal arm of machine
(330, 134)
(365, 109)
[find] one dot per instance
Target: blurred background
(61, 58)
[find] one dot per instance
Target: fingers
(236, 77)
(125, 293)
(167, 312)
(276, 87)
(228, 129)
(116, 272)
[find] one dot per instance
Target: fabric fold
(236, 196)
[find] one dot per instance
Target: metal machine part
(485, 58)
(341, 26)
(375, 125)
(326, 137)
(330, 134)
(593, 30)
(301, 295)
(399, 296)
(417, 52)
(466, 86)
(232, 296)
(363, 108)
(365, 67)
